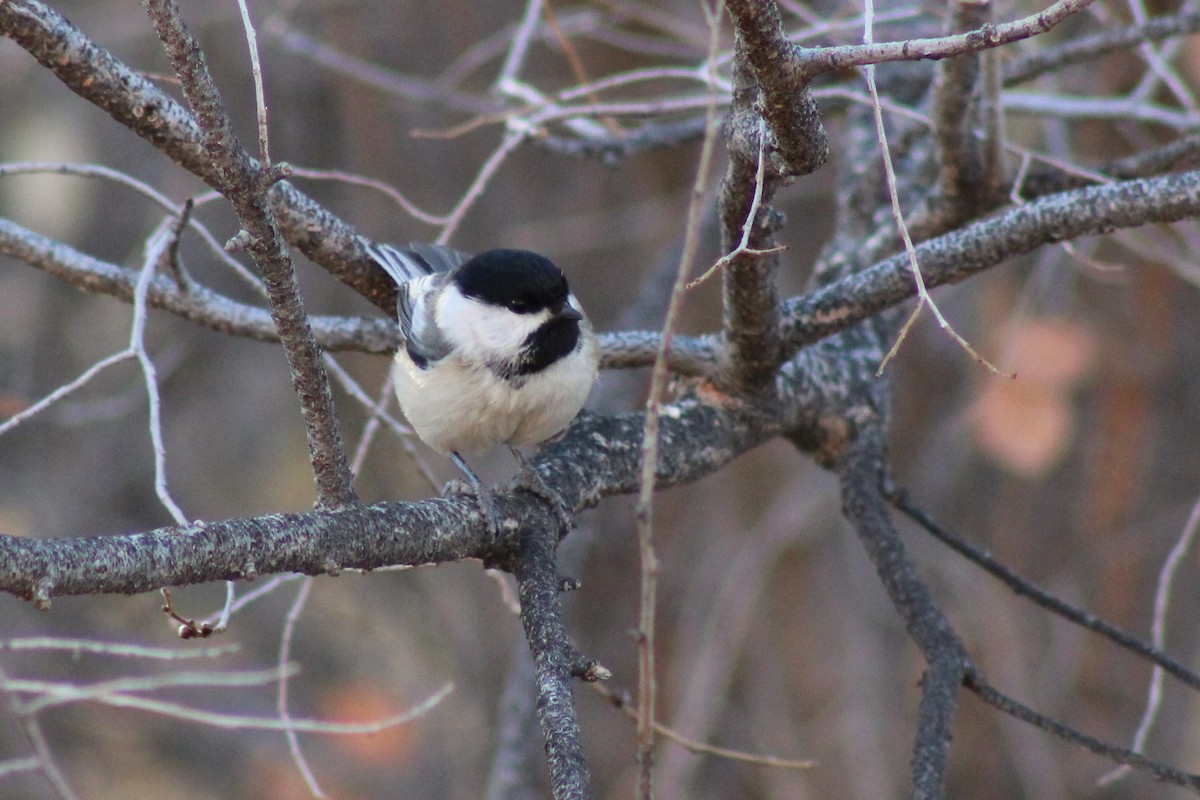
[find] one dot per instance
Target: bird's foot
(474, 488)
(531, 480)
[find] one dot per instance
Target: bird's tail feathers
(415, 261)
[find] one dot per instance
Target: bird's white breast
(460, 406)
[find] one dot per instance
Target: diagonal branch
(971, 249)
(1020, 586)
(128, 97)
(244, 184)
(1120, 755)
(861, 475)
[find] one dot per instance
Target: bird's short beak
(567, 312)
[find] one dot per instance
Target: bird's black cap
(519, 280)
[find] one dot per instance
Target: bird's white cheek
(482, 332)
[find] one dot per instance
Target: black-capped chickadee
(496, 349)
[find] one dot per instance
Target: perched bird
(496, 351)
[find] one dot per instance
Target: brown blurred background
(775, 636)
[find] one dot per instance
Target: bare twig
(923, 296)
(1162, 601)
(647, 692)
(622, 701)
(997, 699)
(1028, 66)
(281, 696)
(260, 100)
(37, 739)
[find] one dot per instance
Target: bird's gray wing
(423, 339)
(419, 270)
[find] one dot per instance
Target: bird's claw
(483, 498)
(533, 482)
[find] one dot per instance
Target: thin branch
(1028, 66)
(156, 246)
(832, 59)
(1162, 601)
(513, 139)
(343, 64)
(646, 642)
(77, 647)
(64, 390)
(998, 700)
(519, 43)
(900, 499)
(1067, 106)
(244, 722)
(260, 100)
(42, 753)
(622, 701)
(923, 297)
(281, 696)
(743, 247)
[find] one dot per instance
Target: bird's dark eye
(520, 305)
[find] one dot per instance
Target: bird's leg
(482, 498)
(532, 481)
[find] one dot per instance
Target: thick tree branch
(967, 251)
(956, 106)
(785, 103)
(748, 224)
(598, 457)
(771, 81)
